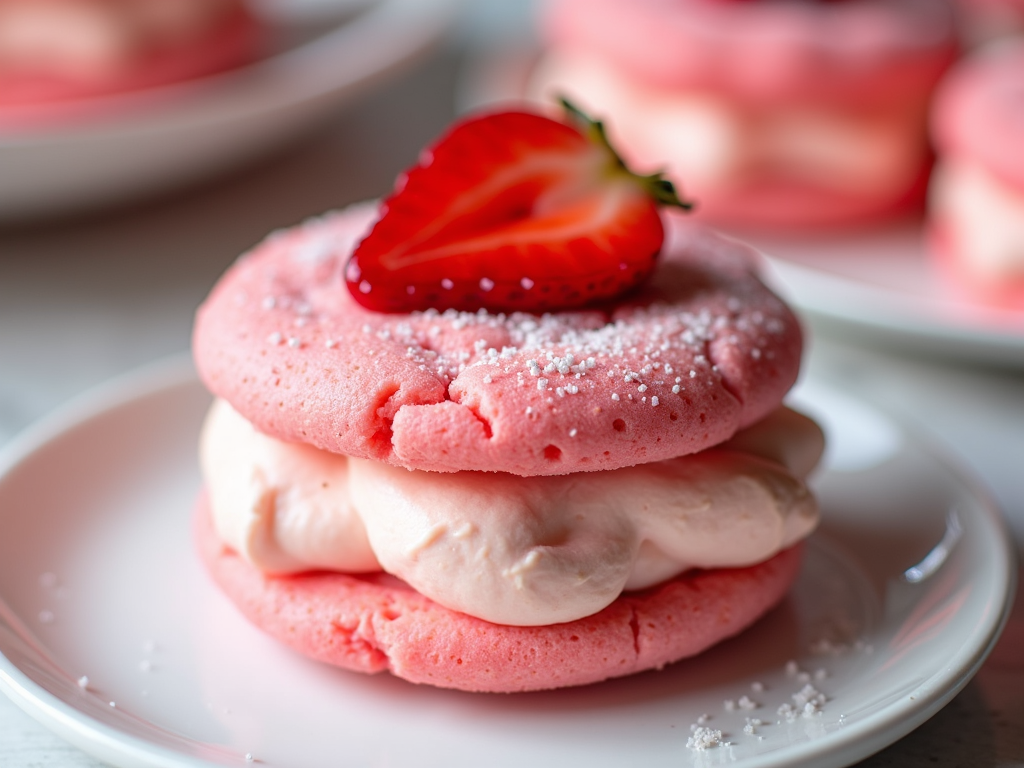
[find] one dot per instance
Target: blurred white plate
(98, 578)
(165, 137)
(879, 283)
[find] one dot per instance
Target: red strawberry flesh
(510, 211)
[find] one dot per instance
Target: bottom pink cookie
(372, 623)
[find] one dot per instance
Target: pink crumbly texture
(701, 351)
(376, 623)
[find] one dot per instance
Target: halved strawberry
(512, 211)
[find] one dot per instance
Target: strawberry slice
(512, 211)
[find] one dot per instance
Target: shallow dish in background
(879, 284)
(904, 591)
(139, 143)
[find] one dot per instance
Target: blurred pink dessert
(981, 21)
(977, 192)
(512, 429)
(59, 51)
(772, 114)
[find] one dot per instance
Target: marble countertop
(82, 301)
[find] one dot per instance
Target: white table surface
(82, 301)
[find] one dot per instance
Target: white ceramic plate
(98, 579)
(879, 282)
(165, 137)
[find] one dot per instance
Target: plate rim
(855, 742)
(973, 338)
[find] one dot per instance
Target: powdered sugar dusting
(662, 362)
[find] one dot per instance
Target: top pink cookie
(701, 351)
(978, 113)
(858, 52)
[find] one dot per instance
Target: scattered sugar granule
(704, 719)
(751, 726)
(654, 400)
(820, 674)
(83, 682)
(573, 432)
(488, 379)
(792, 668)
(447, 284)
(275, 338)
(542, 383)
(747, 703)
(615, 396)
(810, 700)
(729, 705)
(248, 757)
(704, 738)
(757, 687)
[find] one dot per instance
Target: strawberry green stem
(661, 189)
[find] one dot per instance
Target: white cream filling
(511, 550)
(711, 142)
(983, 216)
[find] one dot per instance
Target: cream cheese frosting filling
(984, 218)
(511, 550)
(712, 142)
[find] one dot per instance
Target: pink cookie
(855, 52)
(769, 114)
(38, 96)
(702, 351)
(977, 194)
(375, 623)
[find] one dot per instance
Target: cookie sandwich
(516, 427)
